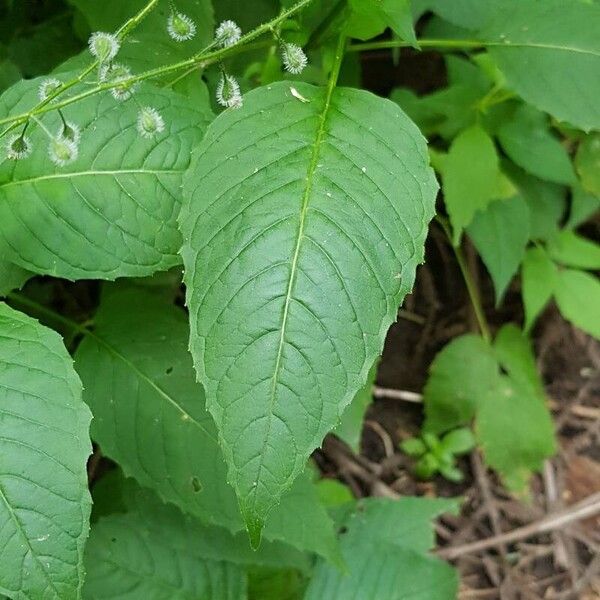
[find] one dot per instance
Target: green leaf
(303, 225)
(413, 446)
(513, 425)
(550, 54)
(459, 377)
(333, 493)
(471, 14)
(458, 441)
(500, 234)
(546, 201)
(44, 446)
(11, 277)
(578, 298)
(449, 110)
(125, 558)
(385, 546)
(351, 425)
(501, 388)
(112, 212)
(572, 250)
(141, 387)
(275, 584)
(214, 543)
(527, 140)
(587, 163)
(538, 283)
(470, 177)
(369, 18)
(583, 205)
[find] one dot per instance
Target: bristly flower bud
(228, 92)
(116, 73)
(293, 57)
(70, 131)
(228, 33)
(48, 87)
(180, 27)
(62, 151)
(149, 122)
(104, 46)
(18, 146)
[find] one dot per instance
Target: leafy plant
(438, 455)
(226, 148)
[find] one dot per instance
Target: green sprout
(438, 455)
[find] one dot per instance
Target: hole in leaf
(196, 485)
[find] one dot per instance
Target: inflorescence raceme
(63, 147)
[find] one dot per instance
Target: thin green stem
(472, 290)
(432, 43)
(201, 59)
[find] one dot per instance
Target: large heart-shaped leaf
(44, 445)
(110, 213)
(304, 219)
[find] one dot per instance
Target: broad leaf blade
(470, 177)
(527, 140)
(44, 446)
(587, 163)
(500, 234)
(550, 54)
(538, 283)
(513, 425)
(150, 417)
(578, 298)
(12, 277)
(303, 225)
(110, 213)
(125, 558)
(459, 377)
(573, 250)
(385, 544)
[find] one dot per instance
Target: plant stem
(431, 43)
(202, 58)
(469, 283)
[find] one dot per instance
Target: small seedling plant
(227, 149)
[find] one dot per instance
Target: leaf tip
(254, 526)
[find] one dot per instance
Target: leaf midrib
(315, 153)
(541, 46)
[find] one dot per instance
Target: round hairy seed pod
(104, 46)
(149, 122)
(18, 146)
(293, 58)
(228, 33)
(180, 27)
